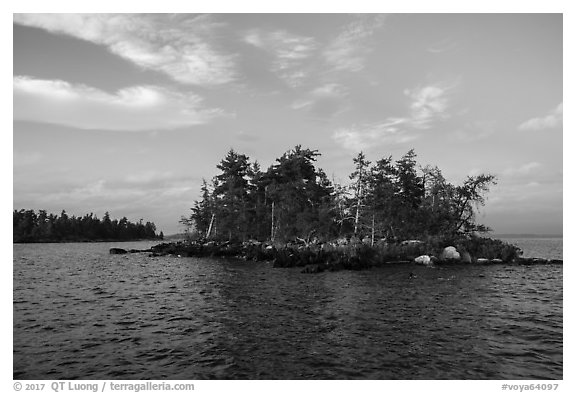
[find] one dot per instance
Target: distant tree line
(394, 200)
(32, 227)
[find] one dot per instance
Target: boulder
(450, 254)
(118, 251)
(423, 260)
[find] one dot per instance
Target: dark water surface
(82, 313)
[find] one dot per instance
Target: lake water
(80, 313)
(550, 248)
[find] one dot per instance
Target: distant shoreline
(87, 241)
(525, 236)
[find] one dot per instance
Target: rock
(465, 257)
(483, 260)
(132, 251)
(450, 254)
(118, 251)
(411, 242)
(312, 269)
(496, 260)
(423, 260)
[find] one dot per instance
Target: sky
(128, 113)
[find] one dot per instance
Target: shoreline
(331, 256)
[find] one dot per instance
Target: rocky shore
(333, 256)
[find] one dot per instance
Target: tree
(295, 199)
(382, 198)
(231, 195)
(203, 211)
(361, 181)
(410, 185)
(44, 227)
(469, 196)
(299, 194)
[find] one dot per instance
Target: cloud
(444, 45)
(523, 169)
(151, 178)
(247, 137)
(131, 109)
(475, 131)
(176, 45)
(357, 138)
(26, 158)
(289, 52)
(119, 199)
(324, 101)
(428, 104)
(552, 120)
(347, 52)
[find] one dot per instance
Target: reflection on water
(81, 313)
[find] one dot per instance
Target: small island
(293, 215)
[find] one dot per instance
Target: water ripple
(81, 313)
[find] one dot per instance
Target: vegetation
(32, 227)
(294, 200)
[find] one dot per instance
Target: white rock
(411, 242)
(450, 253)
(423, 260)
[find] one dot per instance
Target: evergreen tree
(231, 195)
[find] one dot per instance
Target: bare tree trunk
(210, 226)
(272, 229)
(357, 219)
(373, 220)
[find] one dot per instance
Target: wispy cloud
(324, 101)
(428, 104)
(104, 195)
(552, 120)
(348, 51)
(289, 52)
(444, 45)
(475, 131)
(130, 109)
(524, 169)
(26, 158)
(179, 46)
(361, 137)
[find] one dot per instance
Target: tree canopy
(293, 198)
(31, 227)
